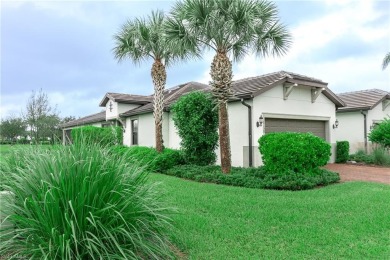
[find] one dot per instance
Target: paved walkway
(350, 172)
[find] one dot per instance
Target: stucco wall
(351, 129)
(146, 131)
(127, 132)
(117, 108)
(174, 138)
(351, 126)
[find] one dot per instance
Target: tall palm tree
(386, 61)
(230, 28)
(144, 39)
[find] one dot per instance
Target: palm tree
(386, 61)
(140, 40)
(230, 28)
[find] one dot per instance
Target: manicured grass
(341, 221)
(6, 149)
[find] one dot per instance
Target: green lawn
(5, 149)
(342, 221)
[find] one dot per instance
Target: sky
(65, 49)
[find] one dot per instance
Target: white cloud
(311, 37)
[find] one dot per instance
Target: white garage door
(295, 125)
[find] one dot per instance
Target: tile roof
(256, 85)
(98, 117)
(170, 96)
(363, 99)
(125, 98)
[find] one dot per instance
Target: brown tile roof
(125, 98)
(363, 99)
(256, 85)
(170, 96)
(98, 117)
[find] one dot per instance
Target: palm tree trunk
(221, 75)
(159, 77)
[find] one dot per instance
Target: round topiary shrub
(80, 202)
(297, 152)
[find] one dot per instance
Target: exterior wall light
(336, 124)
(260, 122)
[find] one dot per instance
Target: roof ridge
(256, 77)
(364, 90)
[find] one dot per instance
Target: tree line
(38, 122)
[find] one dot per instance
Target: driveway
(351, 172)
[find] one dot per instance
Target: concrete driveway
(351, 172)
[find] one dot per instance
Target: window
(134, 132)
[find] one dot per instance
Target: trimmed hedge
(104, 136)
(293, 152)
(257, 178)
(342, 151)
(149, 158)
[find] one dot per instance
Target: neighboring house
(364, 109)
(280, 101)
(98, 119)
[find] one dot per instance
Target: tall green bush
(342, 151)
(381, 133)
(197, 123)
(80, 202)
(293, 152)
(104, 136)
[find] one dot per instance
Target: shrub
(149, 158)
(381, 133)
(293, 152)
(362, 156)
(257, 178)
(197, 123)
(342, 151)
(381, 156)
(104, 136)
(79, 202)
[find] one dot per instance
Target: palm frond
(386, 61)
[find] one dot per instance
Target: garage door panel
(295, 125)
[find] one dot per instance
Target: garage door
(295, 125)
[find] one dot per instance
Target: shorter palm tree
(140, 40)
(386, 61)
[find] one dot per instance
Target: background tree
(12, 127)
(141, 40)
(381, 133)
(42, 120)
(230, 28)
(386, 61)
(197, 130)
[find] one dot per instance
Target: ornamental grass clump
(77, 202)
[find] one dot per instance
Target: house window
(134, 132)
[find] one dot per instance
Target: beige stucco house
(280, 101)
(364, 109)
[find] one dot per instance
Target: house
(364, 109)
(280, 101)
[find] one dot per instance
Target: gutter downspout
(249, 131)
(364, 113)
